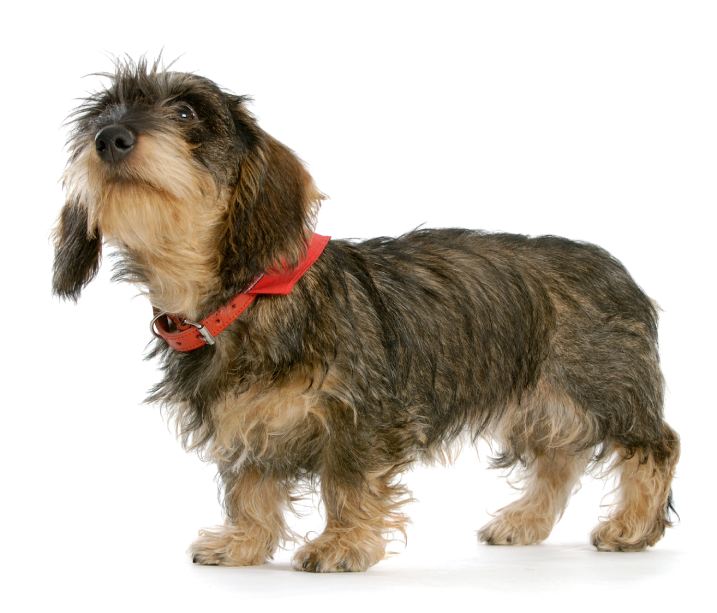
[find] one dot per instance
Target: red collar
(185, 335)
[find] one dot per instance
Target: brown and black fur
(386, 351)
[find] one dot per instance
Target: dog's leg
(549, 482)
(360, 512)
(255, 504)
(641, 515)
(555, 440)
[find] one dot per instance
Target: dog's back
(465, 323)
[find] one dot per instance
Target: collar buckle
(202, 329)
(206, 334)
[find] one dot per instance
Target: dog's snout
(113, 143)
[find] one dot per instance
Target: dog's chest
(265, 424)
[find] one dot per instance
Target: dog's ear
(273, 206)
(77, 252)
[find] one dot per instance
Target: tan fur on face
(163, 210)
(639, 519)
(255, 528)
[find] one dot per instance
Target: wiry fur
(384, 353)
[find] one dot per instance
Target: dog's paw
(515, 529)
(331, 553)
(228, 547)
(617, 535)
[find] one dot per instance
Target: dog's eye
(185, 112)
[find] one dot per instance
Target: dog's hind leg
(644, 496)
(549, 482)
(553, 439)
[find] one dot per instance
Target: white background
(596, 121)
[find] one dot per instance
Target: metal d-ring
(152, 323)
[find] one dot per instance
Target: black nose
(114, 142)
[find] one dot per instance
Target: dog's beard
(162, 210)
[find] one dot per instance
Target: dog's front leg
(255, 502)
(360, 510)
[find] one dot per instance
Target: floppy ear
(272, 211)
(77, 252)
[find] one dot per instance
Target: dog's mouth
(124, 179)
(124, 159)
(147, 178)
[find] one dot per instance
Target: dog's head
(177, 174)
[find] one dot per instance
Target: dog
(291, 359)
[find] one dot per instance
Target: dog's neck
(181, 284)
(167, 247)
(174, 283)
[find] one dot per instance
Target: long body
(445, 330)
